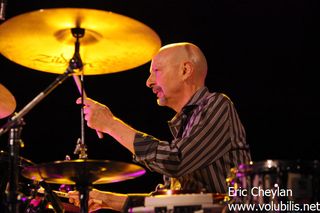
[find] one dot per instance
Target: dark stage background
(263, 54)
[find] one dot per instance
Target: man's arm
(109, 200)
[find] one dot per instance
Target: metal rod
(61, 78)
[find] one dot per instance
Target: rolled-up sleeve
(155, 154)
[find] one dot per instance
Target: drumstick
(78, 83)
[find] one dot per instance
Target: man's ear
(188, 69)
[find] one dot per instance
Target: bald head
(177, 71)
(184, 51)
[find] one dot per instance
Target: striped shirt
(208, 140)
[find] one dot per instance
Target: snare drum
(275, 181)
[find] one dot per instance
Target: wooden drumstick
(78, 83)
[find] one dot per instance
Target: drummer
(208, 136)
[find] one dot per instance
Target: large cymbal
(42, 40)
(83, 171)
(7, 102)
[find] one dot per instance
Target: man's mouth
(157, 91)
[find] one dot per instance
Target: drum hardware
(13, 197)
(15, 127)
(83, 173)
(41, 202)
(81, 148)
(14, 147)
(52, 197)
(109, 43)
(78, 33)
(6, 191)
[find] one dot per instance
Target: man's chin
(162, 101)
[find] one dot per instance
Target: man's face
(164, 78)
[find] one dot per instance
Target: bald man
(208, 137)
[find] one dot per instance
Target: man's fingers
(95, 201)
(86, 101)
(71, 200)
(95, 204)
(100, 134)
(94, 207)
(78, 101)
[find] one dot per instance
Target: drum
(275, 181)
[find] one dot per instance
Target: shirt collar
(195, 100)
(197, 97)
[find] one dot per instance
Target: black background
(263, 54)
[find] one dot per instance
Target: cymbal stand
(14, 146)
(76, 61)
(83, 188)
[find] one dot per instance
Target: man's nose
(150, 81)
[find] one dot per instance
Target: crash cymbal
(42, 40)
(7, 102)
(83, 171)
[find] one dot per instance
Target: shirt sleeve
(207, 137)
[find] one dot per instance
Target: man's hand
(100, 200)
